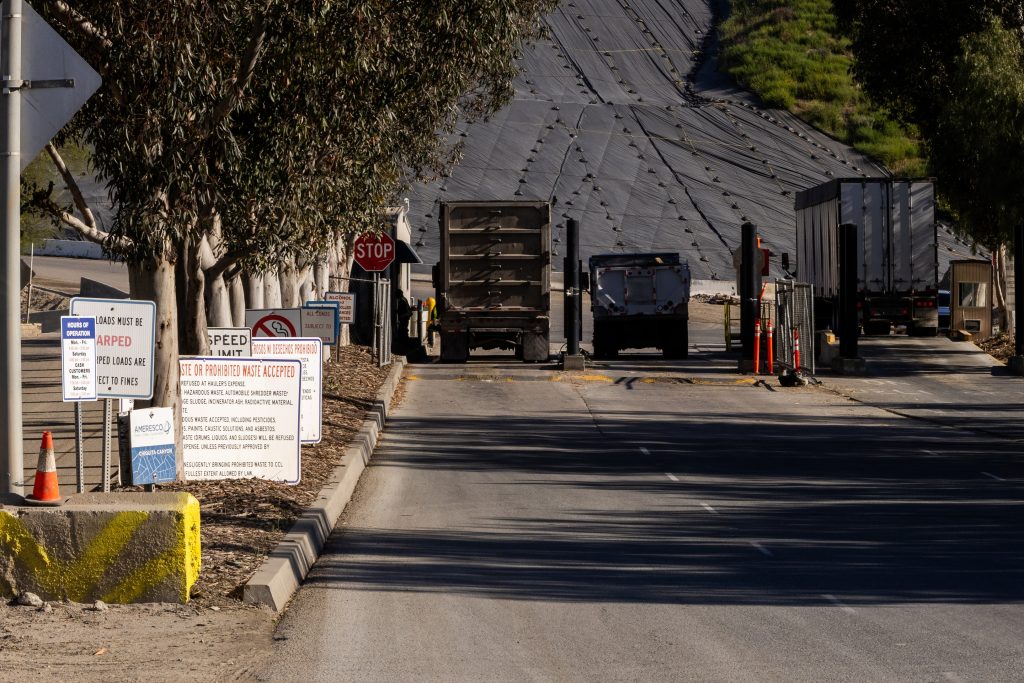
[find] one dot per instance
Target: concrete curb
(284, 570)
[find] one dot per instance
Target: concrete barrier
(115, 547)
(281, 574)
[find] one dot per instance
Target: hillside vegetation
(790, 53)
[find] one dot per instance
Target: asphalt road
(65, 274)
(653, 521)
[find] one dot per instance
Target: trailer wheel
(454, 347)
(605, 347)
(877, 328)
(916, 331)
(678, 345)
(536, 347)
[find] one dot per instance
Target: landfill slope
(622, 120)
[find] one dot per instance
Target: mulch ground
(243, 519)
(1000, 346)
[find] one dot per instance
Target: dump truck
(493, 280)
(640, 301)
(897, 256)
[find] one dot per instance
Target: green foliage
(39, 177)
(979, 134)
(293, 121)
(791, 53)
(959, 82)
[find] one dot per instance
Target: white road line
(671, 476)
(992, 476)
(764, 551)
(644, 451)
(838, 603)
(932, 453)
(709, 508)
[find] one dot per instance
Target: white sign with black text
(125, 339)
(230, 342)
(240, 418)
(346, 306)
(310, 352)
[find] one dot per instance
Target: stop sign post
(374, 252)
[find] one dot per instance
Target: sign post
(125, 343)
(49, 104)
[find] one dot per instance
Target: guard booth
(399, 274)
(970, 298)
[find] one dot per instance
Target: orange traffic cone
(46, 490)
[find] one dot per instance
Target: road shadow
(866, 510)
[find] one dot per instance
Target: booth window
(972, 294)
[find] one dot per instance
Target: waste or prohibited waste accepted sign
(280, 322)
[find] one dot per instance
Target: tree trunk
(322, 277)
(236, 293)
(999, 285)
(307, 286)
(253, 291)
(271, 290)
(218, 303)
(289, 277)
(155, 281)
(197, 341)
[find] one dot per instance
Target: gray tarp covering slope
(622, 123)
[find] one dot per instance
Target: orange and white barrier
(46, 488)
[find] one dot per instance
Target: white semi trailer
(897, 258)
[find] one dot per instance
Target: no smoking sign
(284, 322)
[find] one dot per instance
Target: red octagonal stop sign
(374, 252)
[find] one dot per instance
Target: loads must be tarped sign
(240, 418)
(125, 337)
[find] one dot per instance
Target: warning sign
(240, 418)
(320, 319)
(309, 352)
(346, 306)
(282, 322)
(125, 335)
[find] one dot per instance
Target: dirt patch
(215, 637)
(1000, 347)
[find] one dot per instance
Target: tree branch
(72, 185)
(73, 18)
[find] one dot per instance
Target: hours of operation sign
(78, 358)
(240, 418)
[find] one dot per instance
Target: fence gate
(382, 321)
(794, 310)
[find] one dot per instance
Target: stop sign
(374, 252)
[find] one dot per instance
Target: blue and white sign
(152, 441)
(323, 321)
(78, 358)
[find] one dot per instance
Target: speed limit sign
(374, 252)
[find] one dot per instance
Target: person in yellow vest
(431, 319)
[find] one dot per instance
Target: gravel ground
(1000, 346)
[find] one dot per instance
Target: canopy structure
(622, 120)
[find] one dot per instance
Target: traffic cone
(46, 490)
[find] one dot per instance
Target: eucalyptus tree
(238, 136)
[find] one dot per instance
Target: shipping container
(897, 259)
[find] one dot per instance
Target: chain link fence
(794, 306)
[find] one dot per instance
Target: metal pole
(79, 448)
(849, 330)
(107, 410)
(31, 266)
(748, 295)
(13, 470)
(572, 287)
(1018, 290)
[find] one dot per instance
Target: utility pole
(13, 470)
(573, 297)
(1017, 361)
